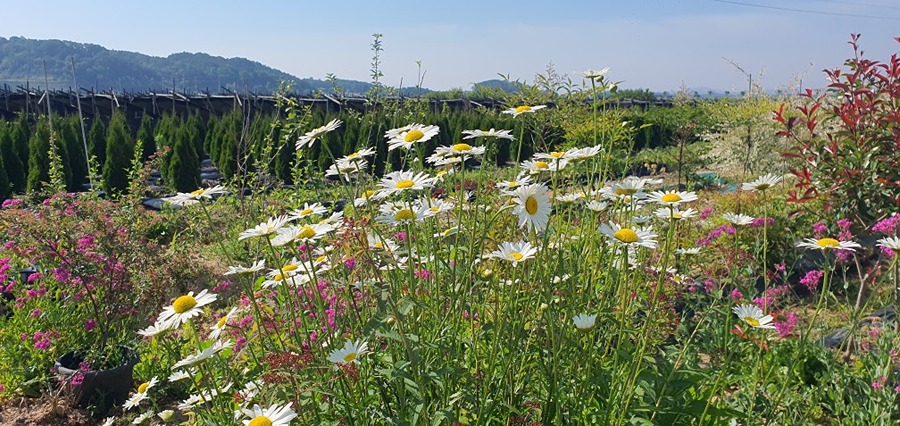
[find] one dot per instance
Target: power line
(852, 3)
(816, 12)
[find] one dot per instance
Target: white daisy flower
(182, 374)
(350, 353)
(301, 233)
(459, 150)
(597, 206)
(205, 354)
(311, 136)
(265, 229)
(569, 198)
(143, 417)
(184, 308)
(306, 211)
(508, 185)
(257, 266)
(826, 244)
(378, 243)
(193, 197)
(739, 219)
(275, 415)
(364, 198)
(581, 154)
(401, 213)
(584, 322)
(108, 421)
(674, 213)
(221, 324)
(541, 166)
(671, 198)
(155, 329)
(347, 168)
(629, 237)
(532, 206)
(596, 75)
(358, 155)
(892, 243)
(523, 109)
(761, 183)
(498, 134)
(399, 181)
(514, 252)
(405, 137)
(753, 316)
(141, 393)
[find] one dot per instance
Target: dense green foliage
(119, 150)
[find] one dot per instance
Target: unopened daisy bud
(584, 322)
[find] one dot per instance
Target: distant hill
(22, 60)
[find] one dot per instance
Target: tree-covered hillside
(22, 60)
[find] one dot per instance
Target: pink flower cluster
(715, 234)
(758, 222)
(784, 328)
(771, 296)
(812, 279)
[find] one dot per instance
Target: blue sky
(655, 44)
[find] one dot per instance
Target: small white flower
(739, 219)
(311, 136)
(762, 183)
(350, 353)
(584, 322)
(753, 316)
(523, 109)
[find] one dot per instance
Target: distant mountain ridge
(22, 61)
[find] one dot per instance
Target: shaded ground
(43, 411)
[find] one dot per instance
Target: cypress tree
(5, 186)
(166, 133)
(15, 170)
(21, 134)
(146, 138)
(119, 152)
(38, 157)
(72, 153)
(97, 142)
(185, 164)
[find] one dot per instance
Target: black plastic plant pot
(103, 388)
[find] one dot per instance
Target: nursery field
(561, 261)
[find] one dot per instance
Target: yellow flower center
(350, 357)
(321, 259)
(405, 214)
(462, 147)
(752, 321)
(763, 186)
(671, 198)
(828, 243)
(198, 192)
(413, 135)
(305, 212)
(354, 155)
(541, 165)
(557, 154)
(513, 183)
(405, 183)
(626, 236)
(306, 232)
(523, 108)
(278, 277)
(516, 256)
(221, 322)
(143, 387)
(289, 267)
(368, 193)
(378, 245)
(676, 215)
(184, 304)
(260, 421)
(435, 209)
(531, 205)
